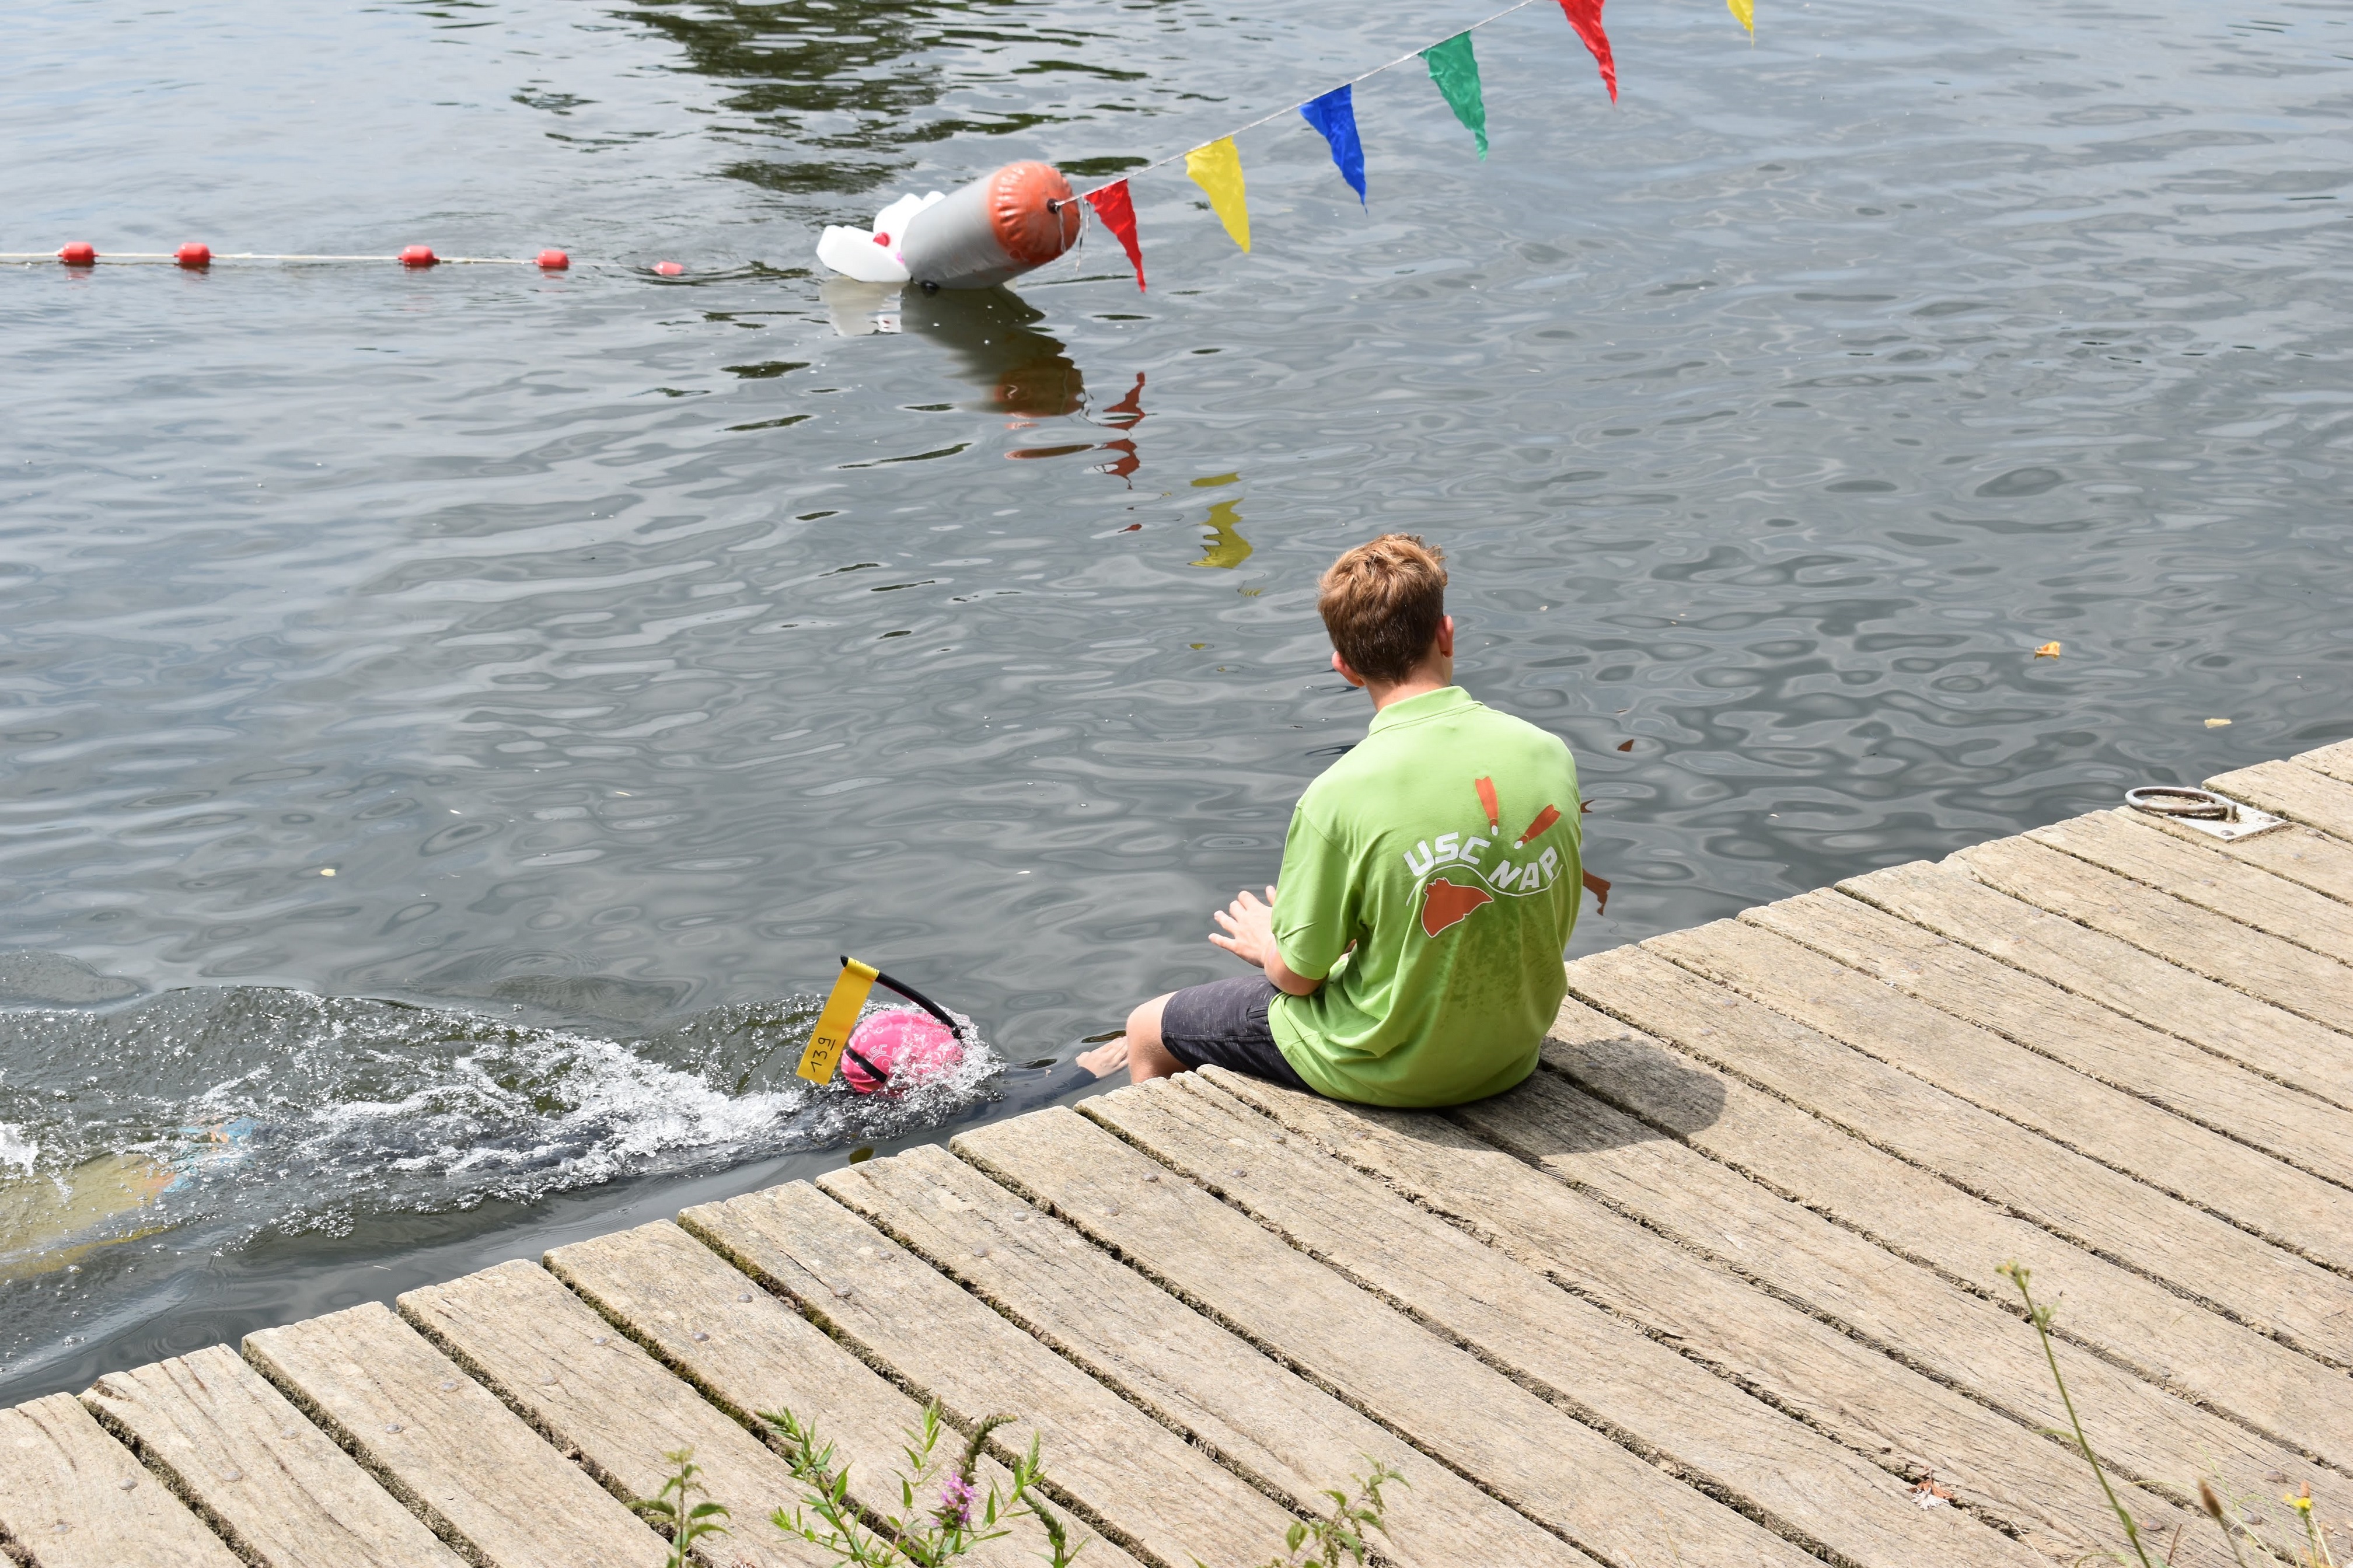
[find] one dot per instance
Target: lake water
(629, 646)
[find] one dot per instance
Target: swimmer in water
(47, 1222)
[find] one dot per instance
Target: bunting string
(1352, 82)
(1215, 165)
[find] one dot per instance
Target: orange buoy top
(1032, 212)
(989, 231)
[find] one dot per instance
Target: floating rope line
(197, 257)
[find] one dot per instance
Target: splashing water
(246, 1111)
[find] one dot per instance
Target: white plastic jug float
(995, 228)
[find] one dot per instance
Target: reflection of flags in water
(1124, 415)
(1126, 463)
(1129, 410)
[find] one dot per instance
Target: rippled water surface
(629, 646)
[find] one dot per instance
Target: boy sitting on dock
(1429, 882)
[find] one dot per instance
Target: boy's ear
(1341, 666)
(1446, 636)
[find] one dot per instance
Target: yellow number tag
(823, 1057)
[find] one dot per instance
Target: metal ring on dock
(2179, 801)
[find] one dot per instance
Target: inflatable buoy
(988, 232)
(895, 1050)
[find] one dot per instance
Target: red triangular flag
(1585, 16)
(1118, 214)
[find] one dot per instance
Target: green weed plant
(2239, 1524)
(676, 1514)
(921, 1532)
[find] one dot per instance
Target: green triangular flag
(1455, 69)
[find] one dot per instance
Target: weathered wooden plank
(591, 1389)
(2293, 852)
(2293, 791)
(2186, 1081)
(72, 1497)
(1818, 1368)
(1450, 1404)
(2290, 1207)
(2335, 761)
(443, 1445)
(2112, 971)
(2120, 841)
(1809, 1486)
(2074, 1198)
(1693, 1187)
(266, 1478)
(749, 1353)
(2213, 945)
(1288, 1435)
(1134, 1480)
(1956, 1329)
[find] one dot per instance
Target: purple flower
(956, 1503)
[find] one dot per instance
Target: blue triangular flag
(1335, 114)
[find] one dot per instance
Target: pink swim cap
(906, 1045)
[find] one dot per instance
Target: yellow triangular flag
(1744, 13)
(1218, 169)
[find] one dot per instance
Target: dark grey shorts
(1224, 1023)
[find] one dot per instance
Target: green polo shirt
(1434, 908)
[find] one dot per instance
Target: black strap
(917, 997)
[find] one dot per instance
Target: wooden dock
(1716, 1287)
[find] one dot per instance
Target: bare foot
(1106, 1058)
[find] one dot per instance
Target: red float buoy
(80, 253)
(195, 256)
(668, 268)
(418, 255)
(554, 261)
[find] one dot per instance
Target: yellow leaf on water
(2048, 650)
(2216, 723)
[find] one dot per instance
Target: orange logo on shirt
(1444, 905)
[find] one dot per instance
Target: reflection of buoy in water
(905, 1045)
(993, 229)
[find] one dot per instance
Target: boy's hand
(1250, 936)
(1249, 927)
